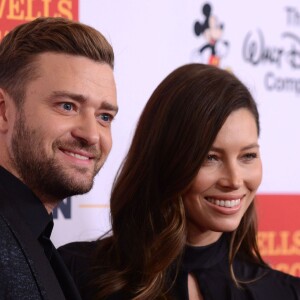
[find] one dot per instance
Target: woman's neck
(202, 239)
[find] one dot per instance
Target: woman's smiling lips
(225, 204)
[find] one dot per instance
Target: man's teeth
(224, 203)
(77, 155)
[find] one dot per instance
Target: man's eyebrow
(109, 106)
(81, 99)
(78, 97)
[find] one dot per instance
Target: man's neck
(49, 202)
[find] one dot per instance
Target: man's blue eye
(106, 117)
(67, 106)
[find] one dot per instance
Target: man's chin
(60, 183)
(79, 175)
(72, 190)
(81, 186)
(71, 185)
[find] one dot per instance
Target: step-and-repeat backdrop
(259, 41)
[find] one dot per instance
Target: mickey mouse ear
(198, 28)
(206, 10)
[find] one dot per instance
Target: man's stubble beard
(41, 173)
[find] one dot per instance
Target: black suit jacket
(25, 271)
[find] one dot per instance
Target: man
(57, 101)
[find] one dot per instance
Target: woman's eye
(250, 156)
(211, 157)
(67, 106)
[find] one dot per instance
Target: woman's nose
(231, 177)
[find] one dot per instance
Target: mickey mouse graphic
(212, 31)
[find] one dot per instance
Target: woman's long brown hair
(174, 134)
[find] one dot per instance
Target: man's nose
(87, 129)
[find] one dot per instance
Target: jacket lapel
(41, 269)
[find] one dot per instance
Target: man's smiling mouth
(76, 155)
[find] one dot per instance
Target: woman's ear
(6, 103)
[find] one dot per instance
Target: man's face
(61, 135)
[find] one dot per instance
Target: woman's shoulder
(77, 250)
(85, 261)
(77, 257)
(270, 282)
(81, 256)
(281, 285)
(286, 279)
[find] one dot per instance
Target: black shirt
(210, 267)
(28, 205)
(40, 223)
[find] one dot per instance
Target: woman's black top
(210, 267)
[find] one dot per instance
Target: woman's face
(226, 182)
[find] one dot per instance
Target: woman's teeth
(224, 203)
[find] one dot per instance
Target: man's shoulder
(15, 274)
(8, 208)
(5, 232)
(11, 250)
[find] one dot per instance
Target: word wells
(281, 249)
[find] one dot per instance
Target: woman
(182, 205)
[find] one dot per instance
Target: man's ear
(6, 103)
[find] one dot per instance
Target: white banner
(259, 41)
